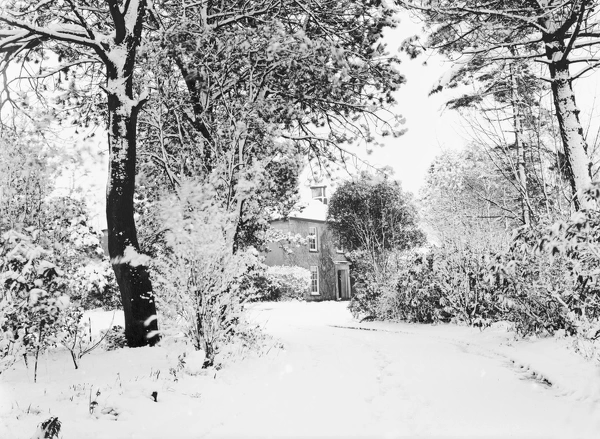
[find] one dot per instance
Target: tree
(241, 89)
(466, 202)
(373, 214)
(478, 35)
(109, 33)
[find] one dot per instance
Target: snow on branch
(60, 32)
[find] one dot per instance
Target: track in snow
(331, 381)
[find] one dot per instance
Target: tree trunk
(129, 267)
(520, 149)
(571, 131)
(131, 271)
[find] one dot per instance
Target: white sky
(430, 128)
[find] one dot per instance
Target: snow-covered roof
(314, 210)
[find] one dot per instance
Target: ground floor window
(314, 279)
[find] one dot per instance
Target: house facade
(330, 270)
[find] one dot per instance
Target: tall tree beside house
(106, 33)
(563, 35)
(373, 214)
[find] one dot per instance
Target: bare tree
(109, 33)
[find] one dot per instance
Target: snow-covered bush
(77, 249)
(550, 278)
(93, 285)
(287, 282)
(547, 281)
(44, 281)
(32, 295)
(368, 288)
(200, 276)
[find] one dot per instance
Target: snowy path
(342, 382)
(328, 381)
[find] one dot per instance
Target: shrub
(93, 285)
(200, 275)
(32, 295)
(287, 282)
(115, 338)
(548, 280)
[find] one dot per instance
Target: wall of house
(290, 254)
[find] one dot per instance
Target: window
(340, 248)
(313, 245)
(318, 193)
(314, 280)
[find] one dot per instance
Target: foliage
(114, 338)
(546, 282)
(466, 203)
(374, 219)
(26, 179)
(287, 283)
(201, 276)
(32, 295)
(304, 85)
(93, 286)
(373, 214)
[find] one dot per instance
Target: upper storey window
(312, 239)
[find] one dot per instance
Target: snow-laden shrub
(546, 282)
(411, 292)
(32, 295)
(287, 282)
(93, 285)
(200, 277)
(40, 301)
(550, 277)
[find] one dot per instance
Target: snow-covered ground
(322, 374)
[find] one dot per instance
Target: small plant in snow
(75, 334)
(115, 338)
(49, 429)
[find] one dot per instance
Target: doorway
(342, 283)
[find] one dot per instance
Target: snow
(320, 373)
(314, 210)
(132, 257)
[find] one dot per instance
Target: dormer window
(318, 193)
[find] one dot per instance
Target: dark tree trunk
(132, 276)
(131, 271)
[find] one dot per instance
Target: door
(343, 283)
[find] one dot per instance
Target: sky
(430, 127)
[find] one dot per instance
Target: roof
(314, 210)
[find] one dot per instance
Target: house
(330, 270)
